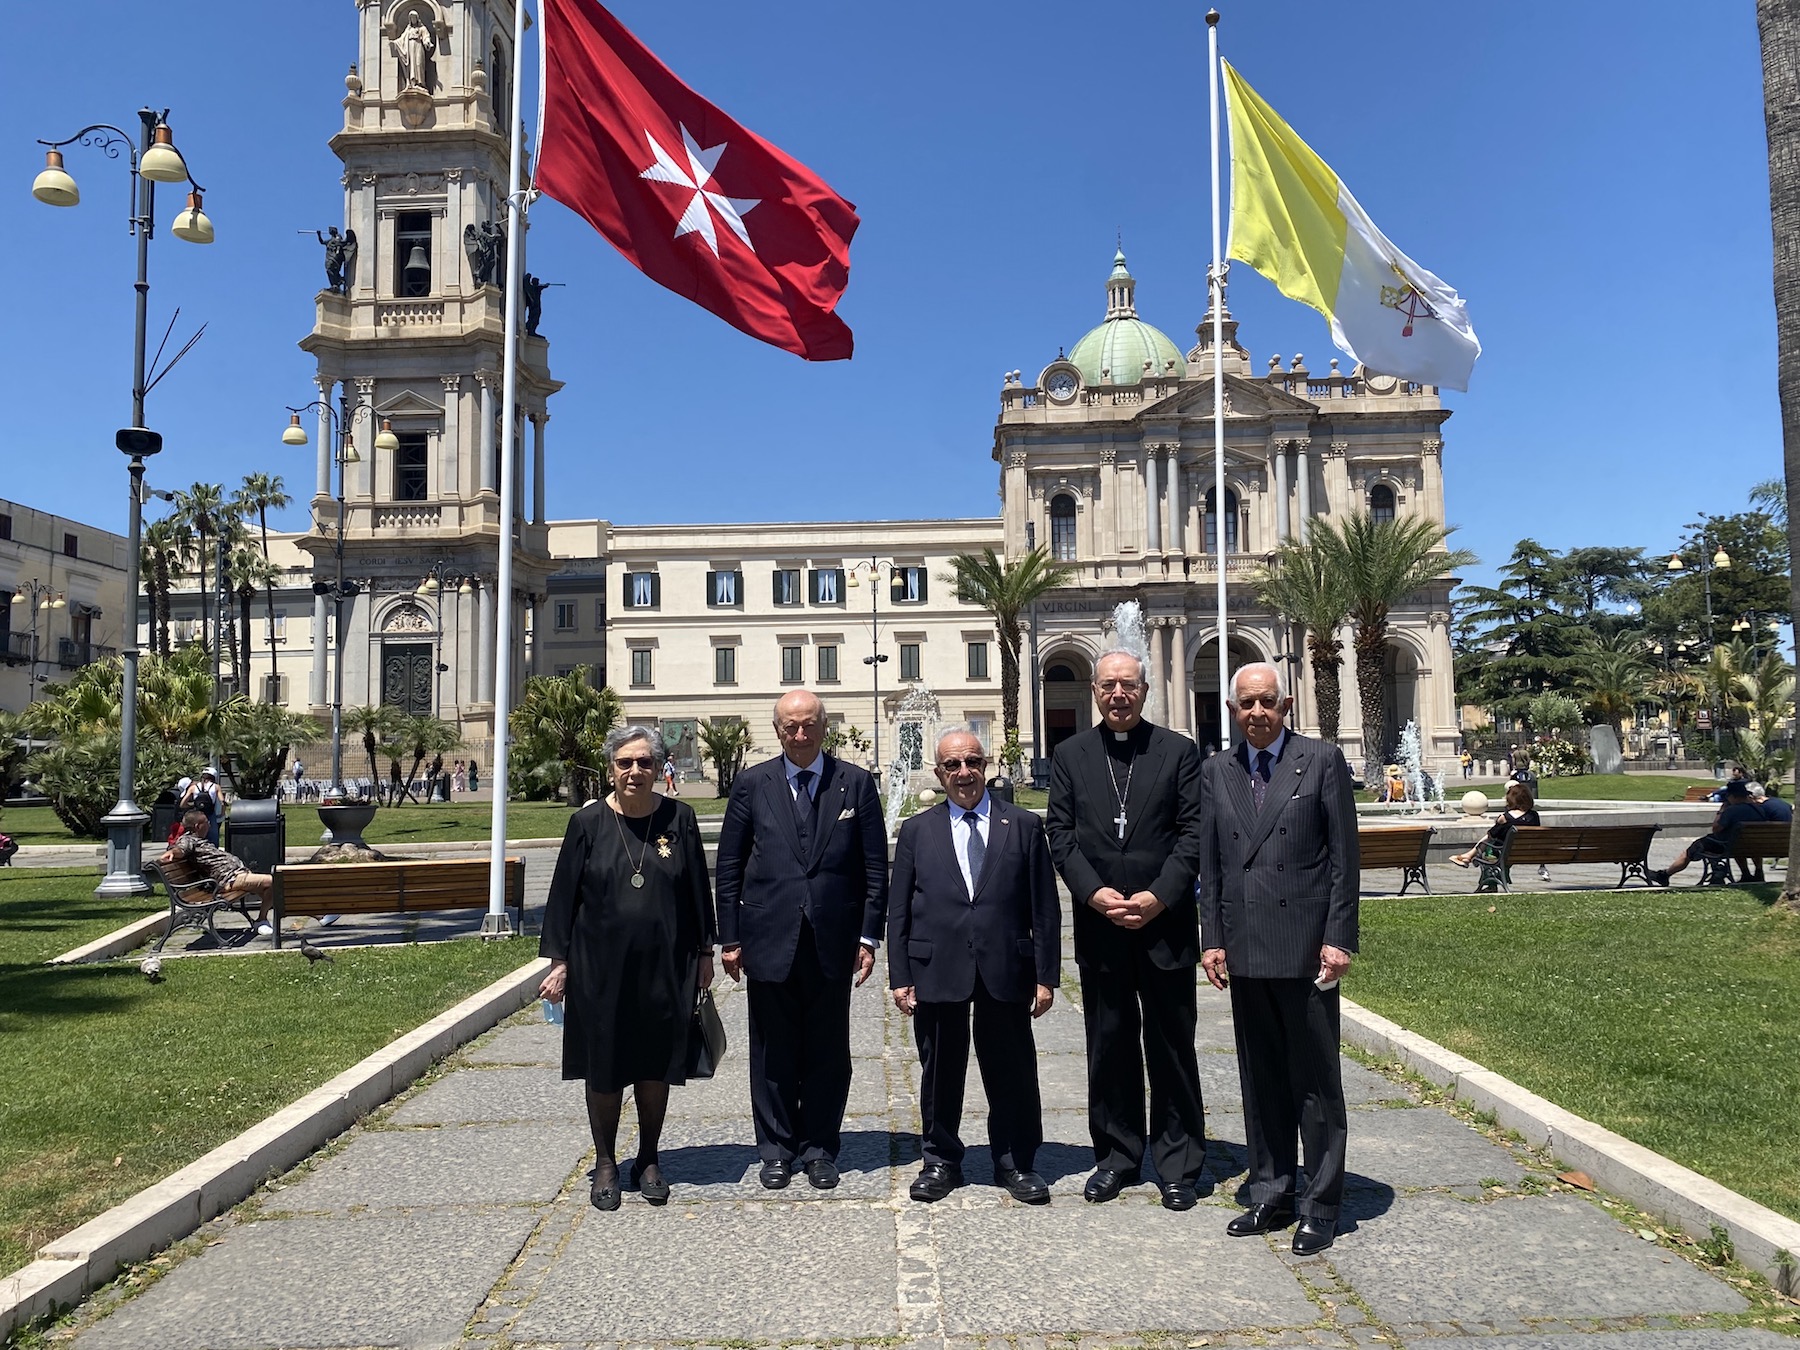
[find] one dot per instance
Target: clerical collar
(1125, 745)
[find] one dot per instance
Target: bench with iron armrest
(1566, 845)
(196, 903)
(1402, 846)
(393, 887)
(1700, 792)
(1752, 841)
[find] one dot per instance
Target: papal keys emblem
(1408, 299)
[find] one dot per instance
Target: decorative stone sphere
(927, 797)
(1474, 803)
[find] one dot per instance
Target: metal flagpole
(497, 923)
(1217, 290)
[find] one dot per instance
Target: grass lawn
(1618, 787)
(108, 1083)
(1671, 1016)
(38, 825)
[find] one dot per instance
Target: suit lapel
(830, 800)
(944, 832)
(781, 802)
(1284, 781)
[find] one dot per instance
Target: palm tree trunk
(245, 595)
(1371, 659)
(1327, 693)
(1778, 23)
(1009, 685)
(206, 585)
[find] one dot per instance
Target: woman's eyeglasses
(971, 761)
(641, 762)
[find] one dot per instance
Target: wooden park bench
(1402, 846)
(1565, 845)
(194, 902)
(403, 886)
(1754, 840)
(1700, 792)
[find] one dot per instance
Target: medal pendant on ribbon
(637, 881)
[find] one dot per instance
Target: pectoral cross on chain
(1119, 820)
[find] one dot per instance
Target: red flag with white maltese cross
(695, 202)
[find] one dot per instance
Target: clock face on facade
(1061, 385)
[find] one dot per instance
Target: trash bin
(256, 832)
(1040, 772)
(1001, 789)
(164, 812)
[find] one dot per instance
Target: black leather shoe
(1179, 1195)
(1260, 1219)
(822, 1174)
(935, 1181)
(1026, 1187)
(775, 1175)
(1313, 1236)
(605, 1195)
(654, 1189)
(1106, 1184)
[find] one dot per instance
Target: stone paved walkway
(460, 1216)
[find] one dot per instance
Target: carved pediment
(409, 404)
(1243, 398)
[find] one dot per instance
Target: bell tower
(408, 338)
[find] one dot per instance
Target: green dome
(1115, 352)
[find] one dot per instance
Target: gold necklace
(637, 868)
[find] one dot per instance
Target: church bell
(417, 264)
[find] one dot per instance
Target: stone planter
(344, 824)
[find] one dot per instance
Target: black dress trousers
(1293, 1084)
(799, 1059)
(1007, 1054)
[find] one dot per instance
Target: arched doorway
(1399, 697)
(1204, 682)
(1068, 704)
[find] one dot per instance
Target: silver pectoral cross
(1119, 820)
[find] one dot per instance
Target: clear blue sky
(1590, 176)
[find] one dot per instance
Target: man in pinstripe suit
(1278, 915)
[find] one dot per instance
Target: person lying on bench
(1737, 810)
(1519, 810)
(192, 850)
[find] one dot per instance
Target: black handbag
(706, 1038)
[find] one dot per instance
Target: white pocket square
(847, 813)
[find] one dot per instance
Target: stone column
(518, 473)
(1182, 712)
(1177, 518)
(537, 466)
(1430, 501)
(1303, 477)
(367, 424)
(484, 643)
(1152, 503)
(538, 632)
(326, 442)
(489, 480)
(1159, 676)
(1281, 494)
(315, 692)
(1107, 527)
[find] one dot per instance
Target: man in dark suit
(1279, 872)
(1124, 827)
(975, 925)
(802, 892)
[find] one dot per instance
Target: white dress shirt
(959, 835)
(791, 769)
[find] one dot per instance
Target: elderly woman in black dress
(629, 932)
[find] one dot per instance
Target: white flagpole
(1216, 279)
(497, 923)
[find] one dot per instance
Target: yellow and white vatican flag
(1297, 224)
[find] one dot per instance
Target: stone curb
(87, 1257)
(1673, 1193)
(116, 943)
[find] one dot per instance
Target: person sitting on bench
(1737, 810)
(1519, 810)
(231, 877)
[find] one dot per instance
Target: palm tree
(1778, 24)
(1007, 591)
(203, 511)
(426, 735)
(263, 493)
(249, 571)
(726, 741)
(372, 722)
(1304, 586)
(1381, 563)
(559, 730)
(1613, 677)
(167, 548)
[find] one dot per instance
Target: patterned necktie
(1259, 781)
(803, 805)
(977, 850)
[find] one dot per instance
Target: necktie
(1259, 781)
(803, 805)
(977, 849)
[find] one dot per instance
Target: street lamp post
(40, 596)
(438, 578)
(342, 419)
(1709, 563)
(152, 159)
(875, 659)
